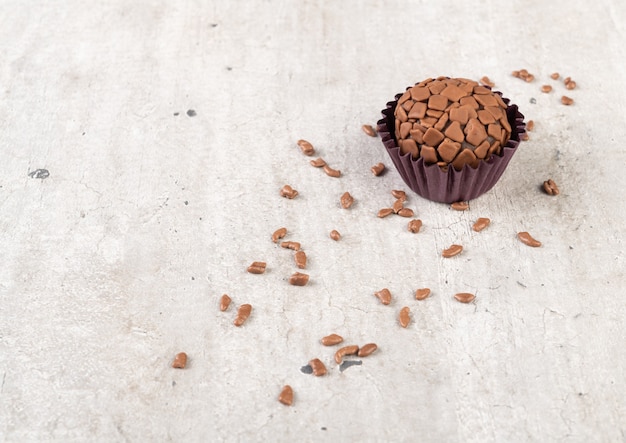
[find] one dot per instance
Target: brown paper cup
(451, 186)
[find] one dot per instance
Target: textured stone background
(116, 260)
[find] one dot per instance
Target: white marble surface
(116, 261)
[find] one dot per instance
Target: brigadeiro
(451, 138)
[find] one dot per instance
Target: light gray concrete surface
(116, 261)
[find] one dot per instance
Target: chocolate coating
(451, 121)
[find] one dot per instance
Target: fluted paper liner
(450, 186)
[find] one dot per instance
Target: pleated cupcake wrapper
(450, 186)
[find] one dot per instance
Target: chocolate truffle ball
(451, 121)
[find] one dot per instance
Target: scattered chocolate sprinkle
(346, 200)
(406, 212)
(257, 267)
(293, 245)
(546, 88)
(378, 169)
(567, 101)
(530, 125)
(452, 251)
(346, 350)
(460, 206)
(569, 83)
(415, 226)
(369, 130)
(242, 314)
(481, 224)
(528, 240)
(421, 294)
(278, 234)
(554, 76)
(306, 147)
(288, 192)
(300, 259)
(524, 75)
(318, 162)
(298, 279)
(180, 361)
(331, 172)
(286, 395)
(335, 235)
(318, 367)
(384, 295)
(401, 195)
(404, 318)
(367, 349)
(464, 297)
(331, 340)
(398, 205)
(550, 187)
(224, 302)
(385, 212)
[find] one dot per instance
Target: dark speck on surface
(229, 68)
(306, 369)
(191, 113)
(186, 202)
(347, 363)
(533, 101)
(39, 173)
(214, 25)
(176, 114)
(323, 428)
(173, 383)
